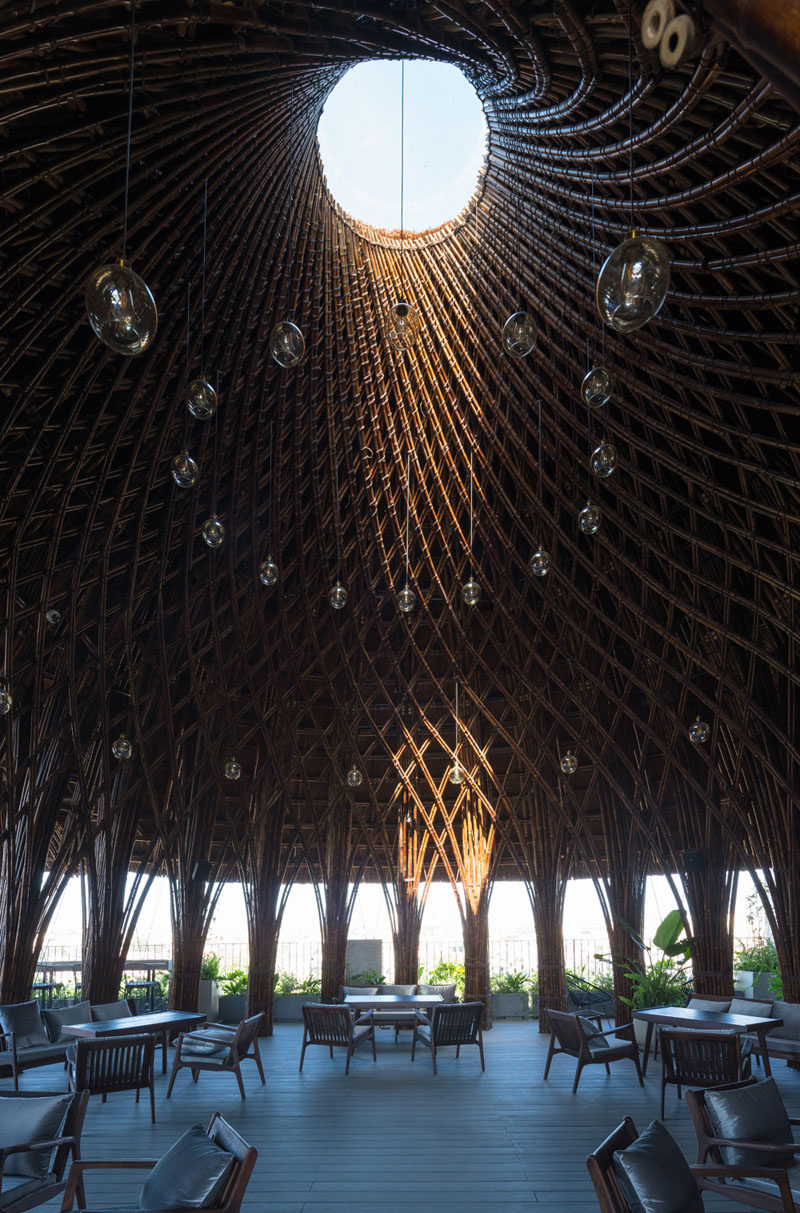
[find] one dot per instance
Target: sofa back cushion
(404, 990)
(111, 1010)
(655, 1176)
(448, 993)
(750, 1006)
(754, 1113)
(789, 1012)
(360, 991)
(191, 1175)
(26, 1118)
(79, 1012)
(697, 1003)
(24, 1020)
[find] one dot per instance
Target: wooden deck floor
(393, 1137)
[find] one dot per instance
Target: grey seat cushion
(191, 1175)
(79, 1012)
(404, 990)
(448, 992)
(24, 1020)
(754, 1113)
(362, 991)
(26, 1119)
(707, 1004)
(360, 1032)
(212, 1049)
(780, 1044)
(750, 1006)
(596, 1043)
(39, 1054)
(654, 1175)
(16, 1188)
(111, 1010)
(423, 1030)
(789, 1012)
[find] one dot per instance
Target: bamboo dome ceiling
(684, 602)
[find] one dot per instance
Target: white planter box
(510, 1006)
(208, 1000)
(286, 1008)
(749, 984)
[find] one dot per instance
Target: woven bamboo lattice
(684, 603)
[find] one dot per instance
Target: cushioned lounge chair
(219, 1048)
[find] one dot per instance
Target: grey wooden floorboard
(393, 1135)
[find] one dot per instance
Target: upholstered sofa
(30, 1036)
(782, 1043)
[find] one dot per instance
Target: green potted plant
(208, 995)
(290, 994)
(663, 982)
(510, 991)
(233, 999)
(756, 968)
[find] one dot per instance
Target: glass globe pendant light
(184, 470)
(603, 460)
(589, 518)
(287, 344)
(597, 387)
(456, 775)
(6, 702)
(268, 571)
(699, 732)
(354, 777)
(471, 591)
(201, 399)
(119, 304)
(519, 335)
(633, 283)
(213, 532)
(122, 748)
(53, 617)
(402, 318)
(569, 763)
(338, 596)
(233, 768)
(406, 599)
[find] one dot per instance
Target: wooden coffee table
(155, 1023)
(723, 1021)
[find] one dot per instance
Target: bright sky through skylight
(445, 143)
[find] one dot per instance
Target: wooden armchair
(700, 1059)
(578, 1038)
(178, 1172)
(612, 1198)
(334, 1028)
(450, 1024)
(18, 1192)
(220, 1048)
(113, 1063)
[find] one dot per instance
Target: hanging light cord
(402, 171)
(408, 508)
(336, 522)
(630, 103)
(471, 484)
(269, 497)
(539, 402)
(130, 127)
(456, 722)
(203, 297)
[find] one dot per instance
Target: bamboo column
(334, 897)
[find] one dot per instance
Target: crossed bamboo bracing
(684, 602)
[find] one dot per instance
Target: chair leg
(413, 1044)
(195, 1075)
(663, 1093)
(175, 1068)
(238, 1074)
(303, 1050)
(550, 1053)
(347, 1063)
(257, 1056)
(577, 1076)
(480, 1046)
(137, 1095)
(638, 1065)
(152, 1101)
(331, 1052)
(374, 1054)
(433, 1055)
(608, 1069)
(458, 1050)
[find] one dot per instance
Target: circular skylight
(445, 143)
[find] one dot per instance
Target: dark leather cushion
(754, 1113)
(24, 1020)
(25, 1119)
(654, 1175)
(111, 1010)
(191, 1175)
(448, 992)
(79, 1012)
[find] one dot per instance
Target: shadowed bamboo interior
(117, 617)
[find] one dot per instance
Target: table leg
(647, 1039)
(164, 1051)
(761, 1033)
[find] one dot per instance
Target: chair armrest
(226, 1027)
(777, 1176)
(767, 1147)
(77, 1169)
(365, 1018)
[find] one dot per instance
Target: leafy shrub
(660, 984)
(309, 985)
(760, 957)
(285, 983)
(515, 981)
(209, 967)
(234, 983)
(445, 973)
(369, 978)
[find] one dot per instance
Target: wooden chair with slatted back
(113, 1063)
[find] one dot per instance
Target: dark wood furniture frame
(600, 1164)
(709, 1146)
(700, 1059)
(720, 1021)
(452, 1023)
(242, 1041)
(17, 1062)
(333, 1027)
(67, 1144)
(219, 1131)
(159, 1023)
(567, 1030)
(121, 1063)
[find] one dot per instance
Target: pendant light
(213, 529)
(406, 599)
(119, 305)
(471, 591)
(402, 319)
(456, 775)
(589, 518)
(268, 572)
(122, 748)
(603, 460)
(699, 731)
(569, 763)
(53, 617)
(286, 341)
(634, 279)
(233, 768)
(6, 701)
(201, 399)
(354, 777)
(338, 594)
(540, 560)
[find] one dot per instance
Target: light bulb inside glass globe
(287, 344)
(213, 532)
(569, 763)
(406, 600)
(589, 518)
(402, 322)
(121, 310)
(456, 774)
(597, 387)
(233, 768)
(53, 617)
(6, 702)
(604, 460)
(519, 335)
(471, 592)
(122, 748)
(338, 596)
(633, 283)
(184, 470)
(540, 563)
(268, 571)
(201, 399)
(699, 731)
(354, 777)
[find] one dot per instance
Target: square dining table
(721, 1021)
(155, 1023)
(392, 1002)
